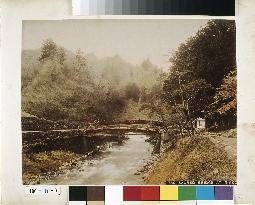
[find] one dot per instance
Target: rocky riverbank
(43, 166)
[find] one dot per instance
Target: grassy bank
(193, 158)
(42, 166)
(39, 166)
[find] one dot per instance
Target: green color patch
(187, 193)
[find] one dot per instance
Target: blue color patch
(205, 193)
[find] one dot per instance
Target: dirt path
(228, 143)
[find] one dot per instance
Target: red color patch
(150, 193)
(132, 193)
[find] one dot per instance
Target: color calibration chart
(150, 195)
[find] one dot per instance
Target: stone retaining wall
(74, 141)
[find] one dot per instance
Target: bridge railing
(140, 121)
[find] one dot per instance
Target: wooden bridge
(141, 126)
(144, 126)
(83, 139)
(122, 129)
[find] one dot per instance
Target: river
(115, 165)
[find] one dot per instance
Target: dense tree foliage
(57, 91)
(202, 80)
(198, 71)
(226, 95)
(60, 85)
(209, 55)
(224, 108)
(132, 92)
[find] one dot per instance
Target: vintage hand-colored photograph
(129, 101)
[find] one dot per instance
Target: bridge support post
(85, 146)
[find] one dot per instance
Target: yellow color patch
(169, 192)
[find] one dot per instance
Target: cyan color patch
(205, 193)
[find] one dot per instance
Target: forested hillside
(59, 85)
(201, 81)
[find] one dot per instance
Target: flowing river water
(115, 165)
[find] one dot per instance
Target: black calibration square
(77, 193)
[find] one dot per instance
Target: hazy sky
(133, 40)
